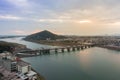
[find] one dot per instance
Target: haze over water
(89, 64)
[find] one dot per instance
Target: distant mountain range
(44, 35)
(10, 36)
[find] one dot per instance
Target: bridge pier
(62, 50)
(89, 46)
(78, 48)
(48, 51)
(56, 50)
(85, 46)
(40, 52)
(68, 49)
(73, 49)
(82, 47)
(92, 45)
(43, 51)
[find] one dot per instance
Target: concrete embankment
(112, 47)
(39, 77)
(25, 55)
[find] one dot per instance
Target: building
(8, 61)
(20, 67)
(23, 67)
(25, 71)
(10, 65)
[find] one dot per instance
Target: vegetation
(57, 43)
(48, 38)
(1, 75)
(7, 46)
(44, 35)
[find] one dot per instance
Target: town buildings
(13, 64)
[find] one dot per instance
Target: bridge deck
(69, 48)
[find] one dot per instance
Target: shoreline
(116, 48)
(8, 45)
(39, 77)
(54, 43)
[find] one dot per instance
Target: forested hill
(44, 35)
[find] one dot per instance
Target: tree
(1, 75)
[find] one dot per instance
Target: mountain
(44, 35)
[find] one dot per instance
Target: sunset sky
(69, 17)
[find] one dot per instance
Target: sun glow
(84, 21)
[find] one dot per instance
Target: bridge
(56, 50)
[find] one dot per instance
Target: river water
(89, 64)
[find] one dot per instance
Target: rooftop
(22, 63)
(31, 73)
(7, 74)
(5, 54)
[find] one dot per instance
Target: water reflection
(102, 64)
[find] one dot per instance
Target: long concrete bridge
(57, 50)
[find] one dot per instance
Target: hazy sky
(76, 17)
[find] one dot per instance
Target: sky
(65, 17)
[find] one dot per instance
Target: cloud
(59, 20)
(35, 31)
(114, 23)
(50, 20)
(85, 21)
(19, 3)
(99, 14)
(19, 32)
(60, 14)
(10, 17)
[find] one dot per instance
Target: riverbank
(55, 43)
(11, 47)
(24, 55)
(111, 47)
(39, 77)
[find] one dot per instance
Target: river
(89, 64)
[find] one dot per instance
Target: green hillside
(44, 35)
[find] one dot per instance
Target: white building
(25, 71)
(23, 67)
